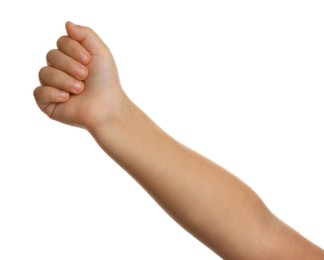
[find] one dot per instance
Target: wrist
(113, 120)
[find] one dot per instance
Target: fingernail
(77, 86)
(63, 95)
(81, 72)
(84, 58)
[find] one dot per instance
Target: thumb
(86, 37)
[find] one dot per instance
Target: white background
(239, 81)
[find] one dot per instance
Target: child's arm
(208, 201)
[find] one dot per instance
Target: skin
(80, 86)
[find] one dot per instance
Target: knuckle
(35, 93)
(50, 54)
(39, 97)
(88, 29)
(60, 41)
(42, 72)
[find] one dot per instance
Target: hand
(80, 85)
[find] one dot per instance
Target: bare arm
(208, 201)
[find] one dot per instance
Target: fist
(80, 84)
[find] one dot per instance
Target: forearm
(203, 197)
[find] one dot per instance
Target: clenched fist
(80, 84)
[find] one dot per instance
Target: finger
(73, 49)
(49, 76)
(61, 61)
(45, 95)
(87, 37)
